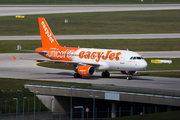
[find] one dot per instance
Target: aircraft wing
(32, 51)
(58, 61)
(19, 48)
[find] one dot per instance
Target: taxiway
(110, 36)
(13, 10)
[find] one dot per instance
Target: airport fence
(77, 114)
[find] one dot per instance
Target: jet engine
(130, 72)
(86, 70)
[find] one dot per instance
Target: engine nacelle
(86, 70)
(130, 72)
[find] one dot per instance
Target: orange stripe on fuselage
(62, 53)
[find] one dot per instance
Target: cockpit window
(136, 58)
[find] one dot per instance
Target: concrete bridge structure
(56, 98)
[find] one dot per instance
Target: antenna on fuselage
(127, 49)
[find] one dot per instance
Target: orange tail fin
(47, 38)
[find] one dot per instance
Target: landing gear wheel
(105, 74)
(129, 77)
(76, 75)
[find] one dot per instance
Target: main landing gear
(105, 74)
(76, 75)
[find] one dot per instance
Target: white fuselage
(114, 60)
(107, 59)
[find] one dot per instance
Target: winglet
(14, 58)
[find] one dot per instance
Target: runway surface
(110, 36)
(12, 10)
(161, 54)
(27, 70)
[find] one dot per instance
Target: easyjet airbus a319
(86, 61)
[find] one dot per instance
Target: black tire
(79, 76)
(105, 74)
(76, 75)
(129, 77)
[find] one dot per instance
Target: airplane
(86, 61)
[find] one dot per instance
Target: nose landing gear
(129, 76)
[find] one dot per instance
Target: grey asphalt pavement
(13, 10)
(110, 36)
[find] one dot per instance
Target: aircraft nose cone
(144, 64)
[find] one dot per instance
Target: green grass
(62, 2)
(152, 67)
(14, 88)
(10, 46)
(173, 115)
(122, 44)
(19, 83)
(96, 23)
(158, 67)
(160, 74)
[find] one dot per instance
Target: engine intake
(86, 70)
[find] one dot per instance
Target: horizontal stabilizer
(14, 58)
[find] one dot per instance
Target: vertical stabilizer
(47, 38)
